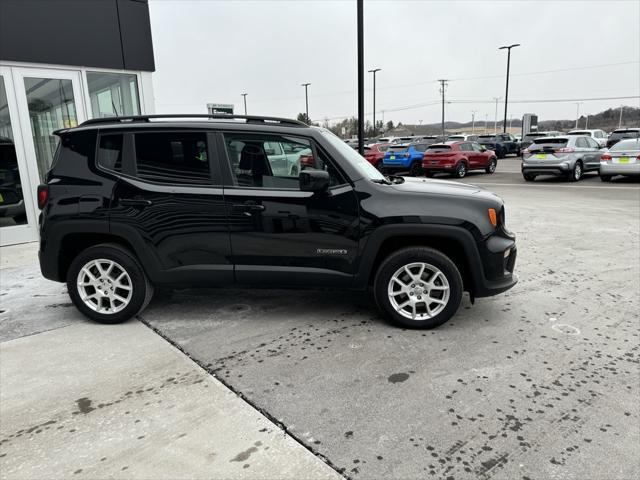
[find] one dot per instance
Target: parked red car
(457, 158)
(374, 153)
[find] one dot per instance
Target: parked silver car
(621, 159)
(566, 156)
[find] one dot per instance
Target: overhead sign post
(217, 108)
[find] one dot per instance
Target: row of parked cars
(543, 153)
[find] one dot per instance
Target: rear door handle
(135, 202)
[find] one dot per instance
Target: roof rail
(217, 116)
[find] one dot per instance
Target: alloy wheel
(418, 291)
(104, 286)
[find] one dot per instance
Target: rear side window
(110, 152)
(581, 142)
(397, 148)
(173, 157)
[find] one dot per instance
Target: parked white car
(599, 136)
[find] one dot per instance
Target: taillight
(605, 158)
(43, 196)
(526, 152)
(564, 150)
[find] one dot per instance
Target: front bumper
(609, 168)
(498, 253)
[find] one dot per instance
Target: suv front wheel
(107, 284)
(418, 287)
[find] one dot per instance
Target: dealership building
(62, 62)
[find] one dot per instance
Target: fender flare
(458, 233)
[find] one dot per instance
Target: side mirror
(314, 180)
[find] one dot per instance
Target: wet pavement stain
(398, 377)
(242, 456)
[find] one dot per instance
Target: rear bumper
(539, 169)
(608, 168)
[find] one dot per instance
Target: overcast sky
(212, 51)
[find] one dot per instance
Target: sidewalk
(83, 400)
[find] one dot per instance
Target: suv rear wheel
(418, 287)
(107, 284)
(575, 174)
(416, 169)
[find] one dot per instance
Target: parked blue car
(405, 157)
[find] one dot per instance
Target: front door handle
(248, 208)
(135, 202)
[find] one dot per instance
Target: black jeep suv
(133, 203)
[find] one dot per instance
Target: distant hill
(607, 121)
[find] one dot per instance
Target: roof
(185, 120)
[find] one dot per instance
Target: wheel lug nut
(411, 294)
(419, 297)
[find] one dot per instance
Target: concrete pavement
(82, 400)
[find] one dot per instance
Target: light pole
(306, 100)
(486, 117)
(577, 113)
(620, 120)
(443, 86)
(244, 96)
(374, 98)
(495, 121)
(506, 93)
(360, 22)
(473, 121)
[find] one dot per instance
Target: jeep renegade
(133, 203)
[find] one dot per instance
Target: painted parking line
(552, 186)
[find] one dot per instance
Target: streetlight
(506, 94)
(495, 121)
(578, 113)
(244, 97)
(473, 121)
(306, 100)
(374, 98)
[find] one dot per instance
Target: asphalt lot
(540, 382)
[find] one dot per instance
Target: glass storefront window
(113, 94)
(51, 106)
(12, 210)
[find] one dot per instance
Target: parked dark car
(457, 158)
(133, 203)
(502, 143)
(622, 133)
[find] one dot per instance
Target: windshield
(486, 137)
(353, 157)
(579, 133)
(625, 134)
(531, 136)
(633, 144)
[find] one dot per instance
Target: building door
(17, 213)
(47, 100)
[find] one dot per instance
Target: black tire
(141, 288)
(461, 170)
(416, 169)
(576, 173)
(429, 173)
(500, 153)
(606, 178)
(493, 163)
(409, 255)
(528, 177)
